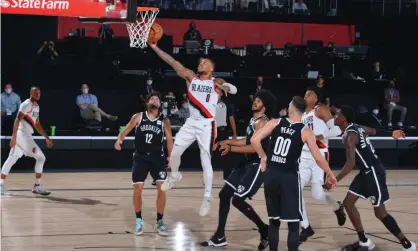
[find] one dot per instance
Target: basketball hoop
(139, 30)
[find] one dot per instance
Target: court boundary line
(175, 188)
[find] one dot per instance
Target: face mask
(283, 113)
(376, 111)
(185, 106)
(149, 82)
(268, 47)
(8, 90)
(85, 90)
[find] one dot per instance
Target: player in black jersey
(150, 129)
(246, 179)
(282, 188)
(370, 183)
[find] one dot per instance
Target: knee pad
(226, 193)
(40, 161)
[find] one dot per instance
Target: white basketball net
(139, 30)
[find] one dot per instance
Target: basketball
(155, 33)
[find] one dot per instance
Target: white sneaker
(400, 124)
(206, 205)
(171, 179)
(38, 189)
(4, 191)
(389, 124)
(413, 248)
(369, 244)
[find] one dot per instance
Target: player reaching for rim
(370, 183)
(202, 93)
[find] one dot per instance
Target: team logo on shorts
(373, 199)
(240, 189)
(162, 175)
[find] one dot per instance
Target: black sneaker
(340, 213)
(215, 241)
(354, 247)
(153, 183)
(305, 234)
(264, 238)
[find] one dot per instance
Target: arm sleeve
(232, 88)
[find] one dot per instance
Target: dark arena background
(354, 50)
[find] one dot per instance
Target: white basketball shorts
(25, 145)
(309, 170)
(202, 130)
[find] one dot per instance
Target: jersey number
(310, 125)
(148, 138)
(207, 98)
(282, 146)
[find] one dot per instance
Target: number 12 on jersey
(148, 138)
(281, 149)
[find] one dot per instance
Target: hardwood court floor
(93, 211)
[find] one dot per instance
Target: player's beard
(153, 107)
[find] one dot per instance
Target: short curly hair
(269, 102)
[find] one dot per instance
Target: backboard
(116, 11)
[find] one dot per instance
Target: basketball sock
(248, 211)
(305, 220)
(159, 216)
(293, 236)
(1, 182)
(37, 182)
(225, 196)
(138, 215)
(207, 172)
(274, 227)
(362, 237)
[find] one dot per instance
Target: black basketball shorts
(246, 179)
(155, 164)
(370, 185)
(283, 195)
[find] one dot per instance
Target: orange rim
(139, 9)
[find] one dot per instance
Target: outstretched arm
(169, 136)
(182, 71)
(131, 125)
(350, 142)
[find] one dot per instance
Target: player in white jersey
(22, 142)
(319, 119)
(202, 93)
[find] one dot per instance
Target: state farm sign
(68, 8)
(36, 4)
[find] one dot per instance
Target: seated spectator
(183, 113)
(89, 106)
(392, 98)
(299, 7)
(323, 91)
(377, 74)
(260, 81)
(10, 103)
(268, 49)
